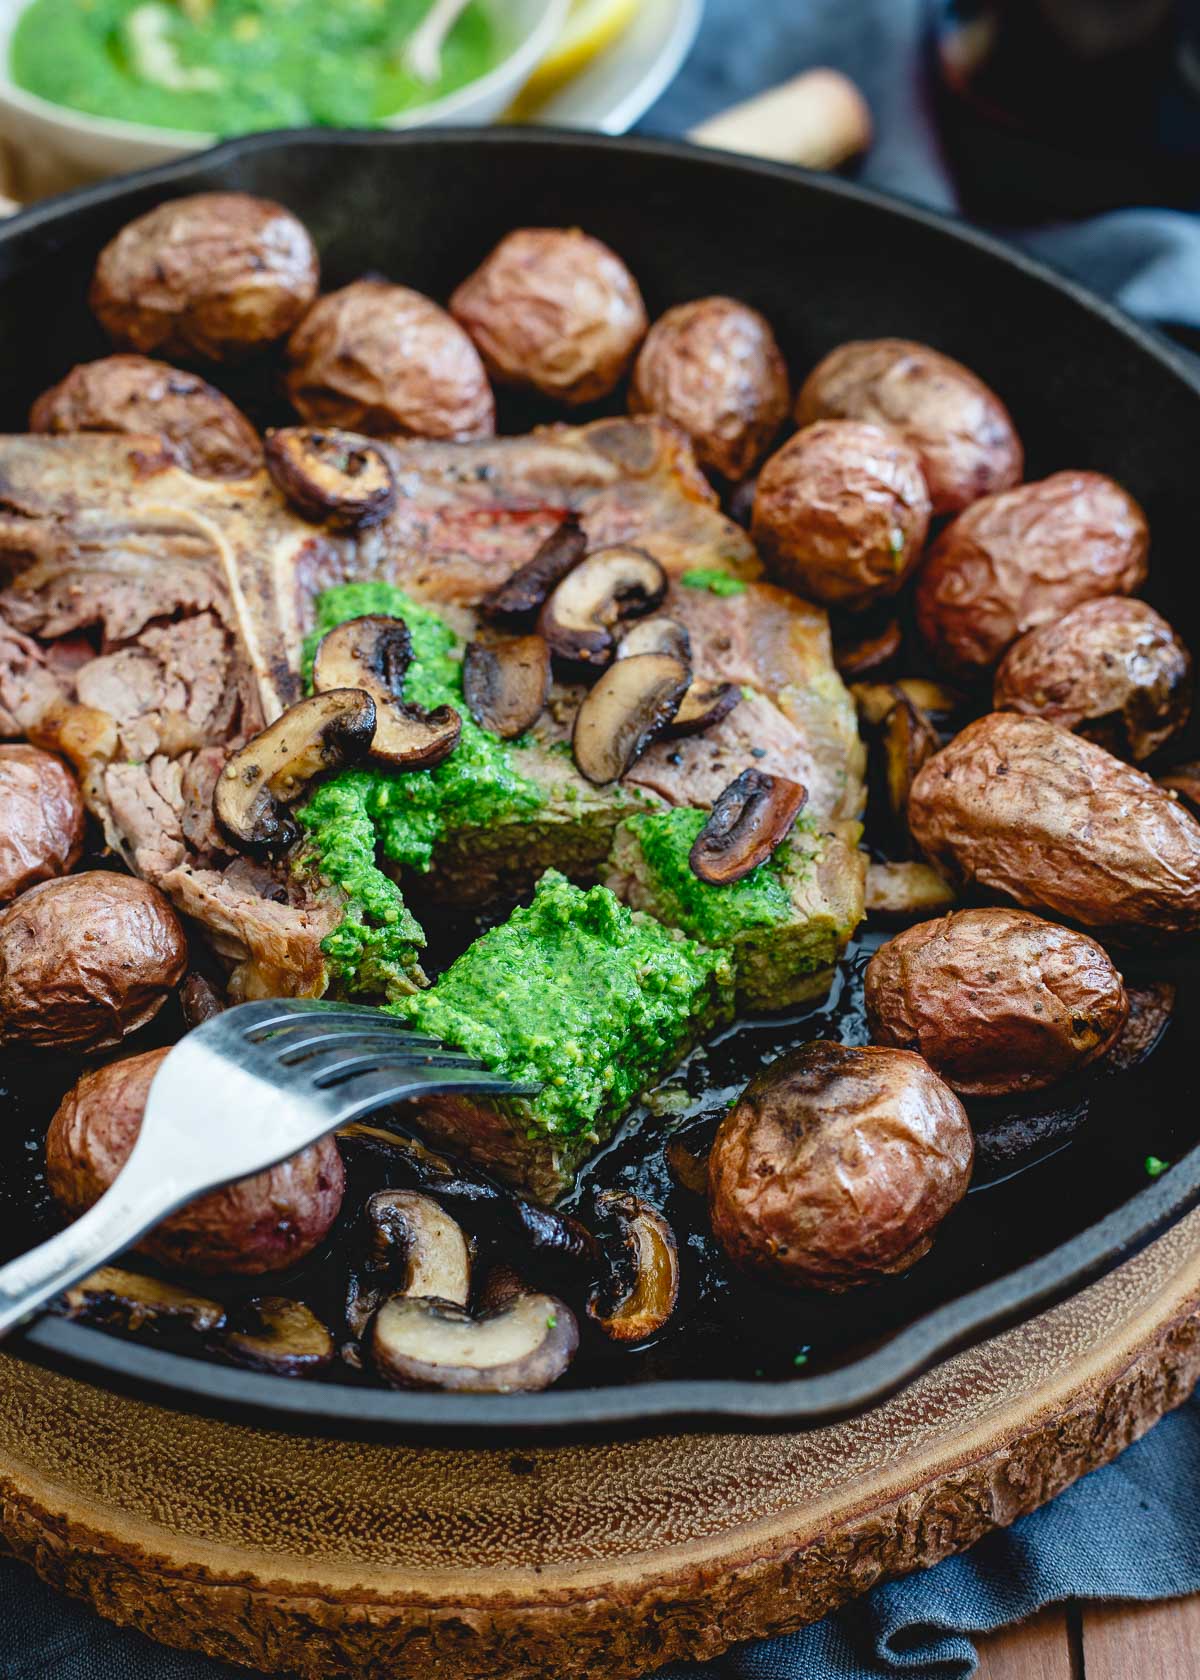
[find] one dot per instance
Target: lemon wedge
(591, 26)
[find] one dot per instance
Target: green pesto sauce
(361, 814)
(580, 993)
(712, 578)
(716, 915)
(232, 66)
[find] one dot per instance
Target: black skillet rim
(796, 1401)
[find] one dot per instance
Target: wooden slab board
(339, 1558)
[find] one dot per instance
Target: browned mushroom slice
(704, 704)
(748, 820)
(909, 739)
(1150, 1010)
(280, 1336)
(875, 700)
(269, 772)
(527, 588)
(868, 654)
(122, 1300)
(656, 635)
(632, 703)
(639, 1295)
(413, 1247)
(199, 999)
(489, 1210)
(688, 1163)
(522, 1345)
(609, 587)
(906, 891)
(373, 653)
(505, 684)
(334, 476)
(1184, 781)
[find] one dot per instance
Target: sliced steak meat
(275, 947)
(199, 594)
(174, 690)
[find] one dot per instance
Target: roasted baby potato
(258, 1224)
(713, 367)
(214, 276)
(384, 359)
(1021, 807)
(555, 311)
(960, 429)
(841, 513)
(1021, 559)
(202, 429)
(997, 1001)
(41, 819)
(86, 960)
(1112, 670)
(837, 1165)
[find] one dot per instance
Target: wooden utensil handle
(819, 119)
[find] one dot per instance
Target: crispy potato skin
(214, 276)
(1023, 558)
(386, 360)
(1024, 808)
(205, 432)
(41, 819)
(1112, 670)
(555, 311)
(713, 367)
(997, 1001)
(841, 513)
(86, 960)
(258, 1224)
(959, 428)
(837, 1165)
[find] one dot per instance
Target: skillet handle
(819, 119)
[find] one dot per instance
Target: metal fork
(244, 1090)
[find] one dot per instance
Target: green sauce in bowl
(232, 66)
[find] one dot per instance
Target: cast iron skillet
(826, 261)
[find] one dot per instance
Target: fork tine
(292, 1047)
(275, 1018)
(363, 1092)
(331, 1069)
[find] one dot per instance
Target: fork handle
(125, 1212)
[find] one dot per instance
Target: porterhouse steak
(150, 620)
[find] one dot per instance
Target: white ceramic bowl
(56, 147)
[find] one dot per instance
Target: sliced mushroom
(1184, 781)
(868, 654)
(337, 477)
(280, 1336)
(688, 1163)
(906, 891)
(526, 590)
(602, 592)
(875, 700)
(270, 771)
(487, 1209)
(121, 1300)
(413, 1247)
(639, 1295)
(199, 999)
(704, 704)
(909, 739)
(633, 702)
(505, 684)
(373, 653)
(656, 635)
(517, 1347)
(749, 818)
(1150, 1010)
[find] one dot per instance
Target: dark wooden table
(1118, 1642)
